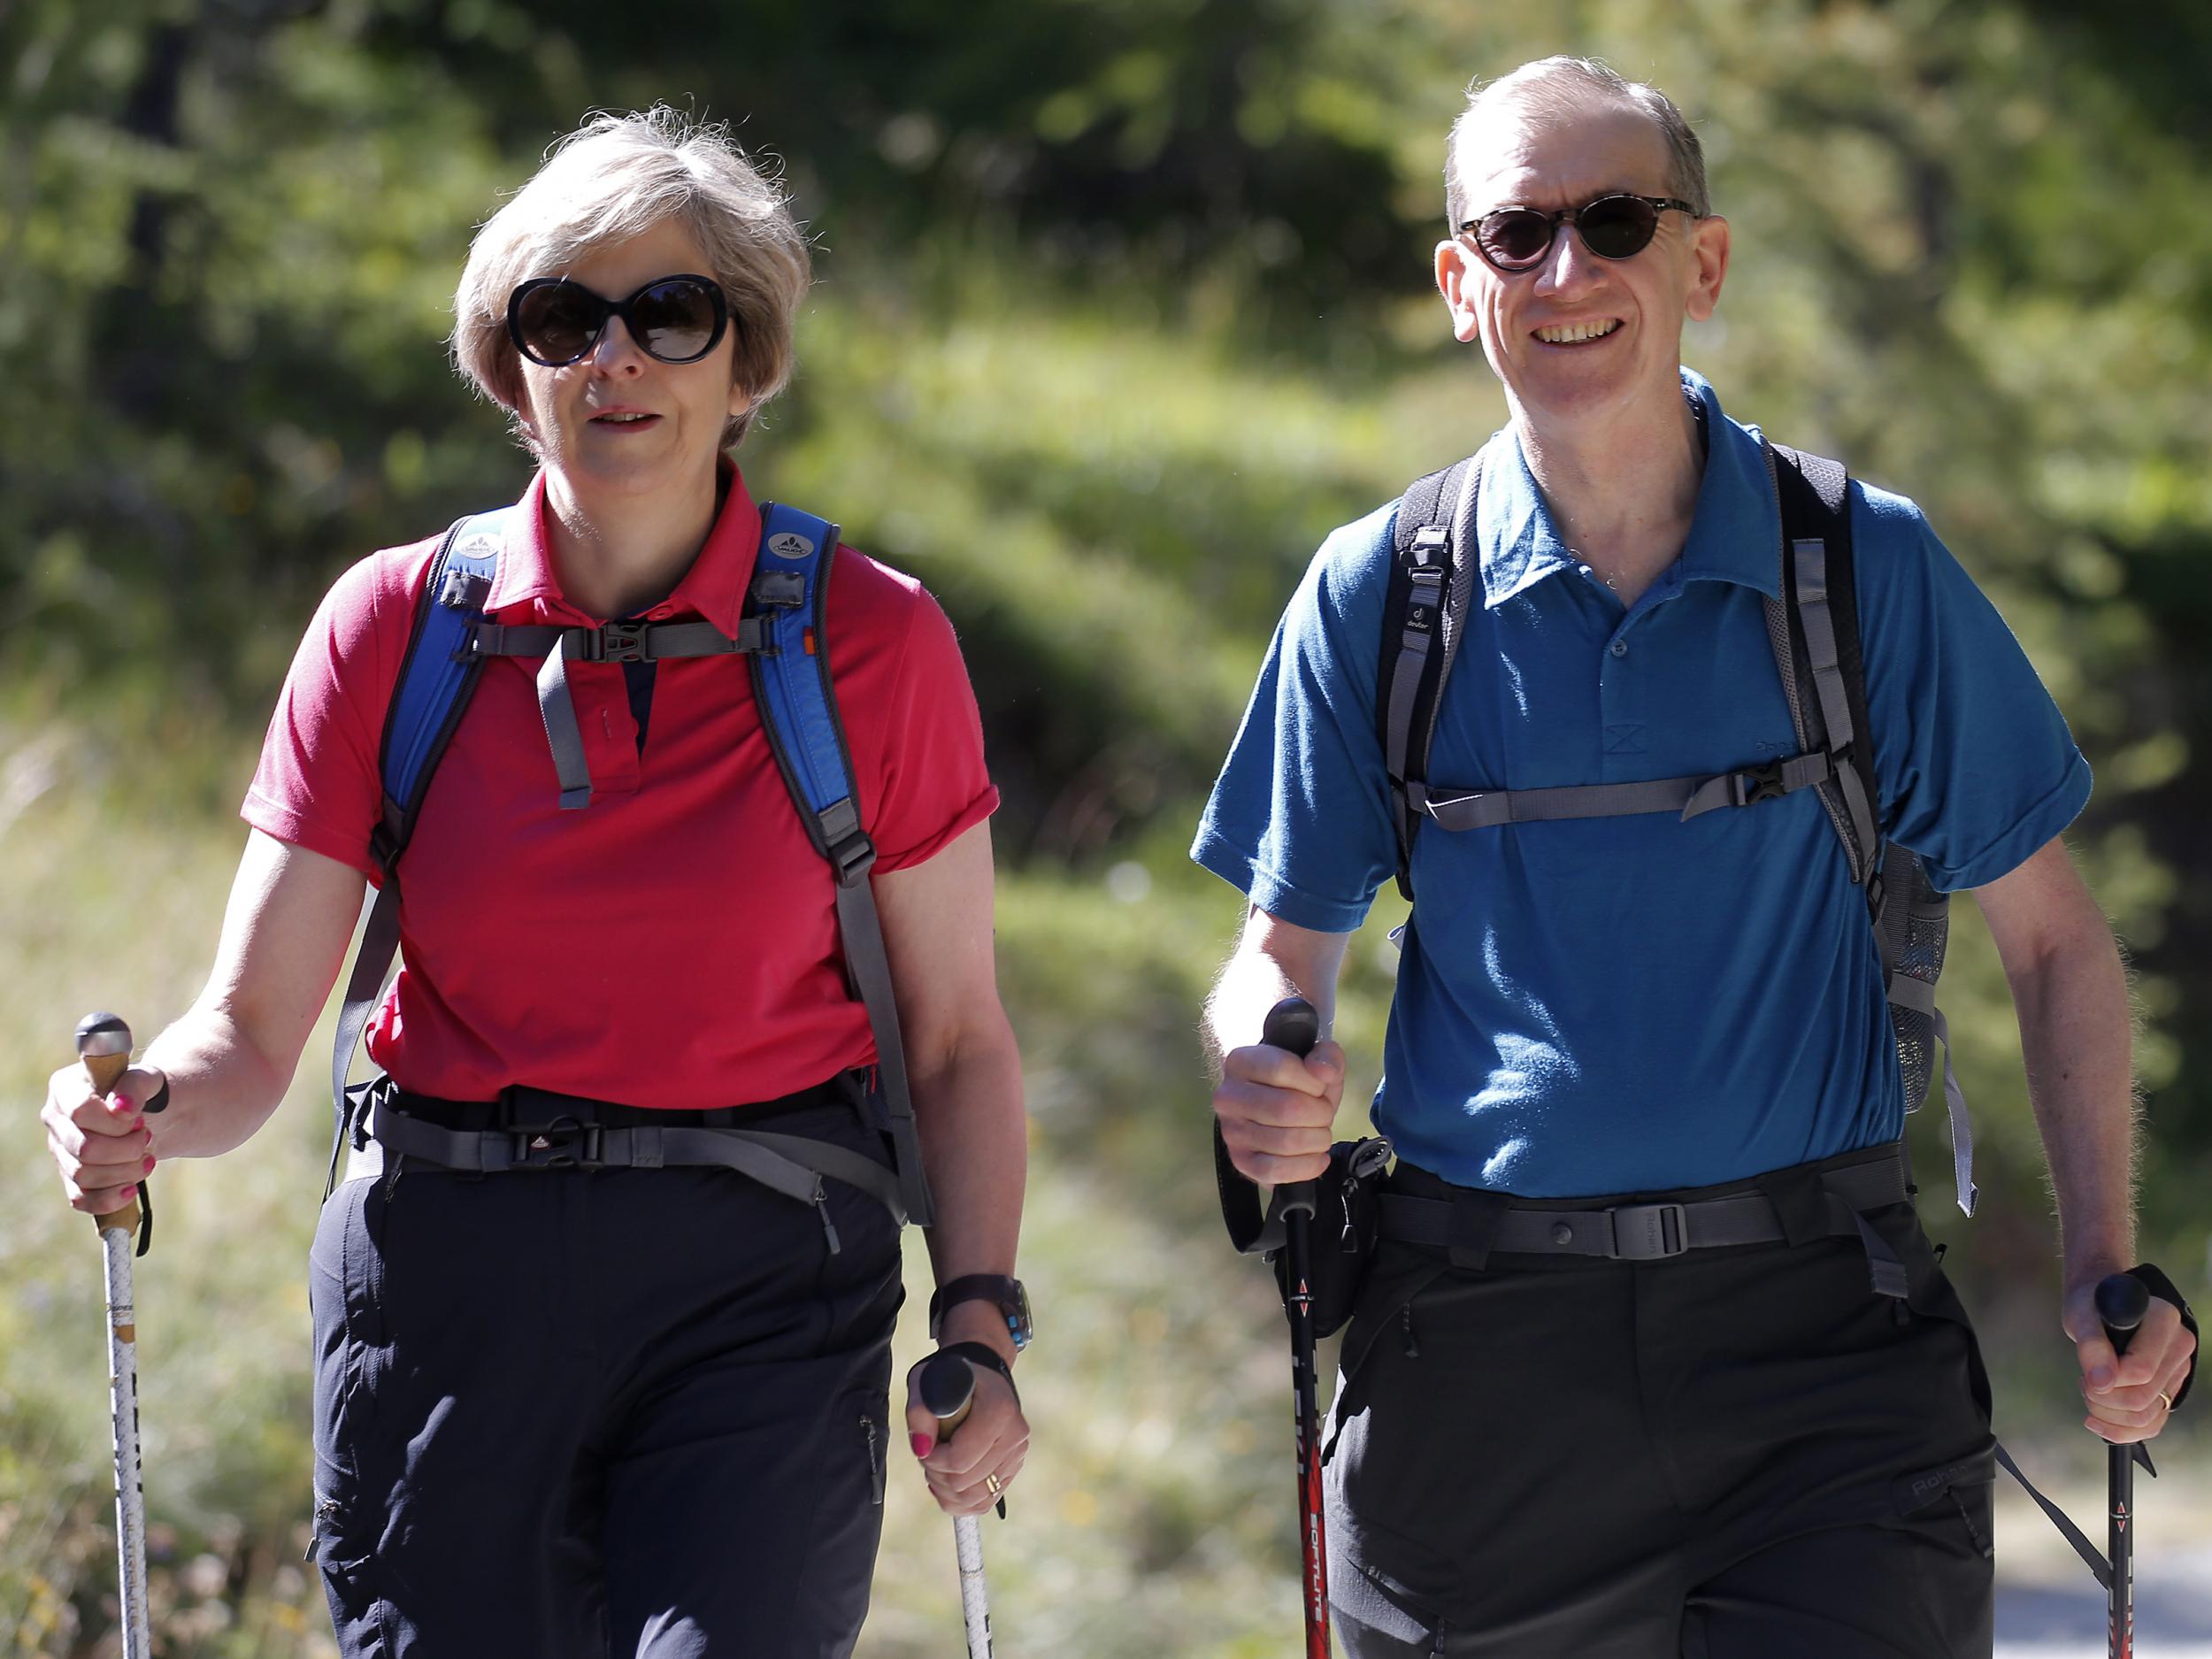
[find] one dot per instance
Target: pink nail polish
(129, 1191)
(923, 1445)
(149, 1170)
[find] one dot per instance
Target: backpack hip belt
(1470, 1225)
(574, 1134)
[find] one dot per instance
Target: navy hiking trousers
(575, 1414)
(1735, 1453)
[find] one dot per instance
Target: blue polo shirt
(1614, 1005)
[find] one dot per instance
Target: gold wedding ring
(2164, 1400)
(992, 1481)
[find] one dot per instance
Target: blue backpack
(781, 639)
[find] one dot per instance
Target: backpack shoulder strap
(1424, 609)
(1820, 646)
(798, 705)
(436, 680)
(1823, 670)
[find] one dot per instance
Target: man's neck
(615, 558)
(1622, 491)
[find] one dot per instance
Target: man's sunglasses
(1617, 226)
(556, 322)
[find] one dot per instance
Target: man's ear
(1709, 252)
(1457, 281)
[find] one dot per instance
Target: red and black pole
(1293, 1025)
(2122, 1301)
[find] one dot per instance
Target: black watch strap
(983, 1354)
(1003, 1292)
(2162, 1288)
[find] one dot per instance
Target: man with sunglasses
(1618, 1383)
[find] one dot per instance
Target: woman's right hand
(100, 1143)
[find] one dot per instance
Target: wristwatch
(1007, 1294)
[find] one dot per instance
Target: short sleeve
(315, 785)
(934, 784)
(1299, 821)
(1975, 764)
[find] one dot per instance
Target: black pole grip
(1293, 1026)
(2122, 1301)
(947, 1388)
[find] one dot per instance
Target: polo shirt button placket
(1619, 648)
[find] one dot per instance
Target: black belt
(531, 1129)
(1471, 1224)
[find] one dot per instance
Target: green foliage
(1123, 305)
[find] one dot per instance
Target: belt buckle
(1648, 1232)
(564, 1144)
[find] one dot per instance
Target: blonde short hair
(617, 176)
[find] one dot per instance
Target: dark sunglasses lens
(1617, 226)
(556, 324)
(675, 321)
(1515, 237)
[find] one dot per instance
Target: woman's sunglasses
(1617, 226)
(555, 322)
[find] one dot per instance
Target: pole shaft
(130, 1514)
(2120, 1549)
(975, 1607)
(1313, 1536)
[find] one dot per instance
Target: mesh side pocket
(1915, 927)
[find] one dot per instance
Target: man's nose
(1567, 263)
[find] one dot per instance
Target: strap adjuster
(565, 1144)
(852, 858)
(1648, 1232)
(1757, 784)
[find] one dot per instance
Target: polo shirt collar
(712, 589)
(1735, 533)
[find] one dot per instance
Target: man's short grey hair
(1559, 86)
(617, 176)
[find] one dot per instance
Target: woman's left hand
(970, 1472)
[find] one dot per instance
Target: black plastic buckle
(1648, 1232)
(1760, 783)
(564, 1144)
(852, 858)
(621, 642)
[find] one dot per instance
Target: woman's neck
(616, 557)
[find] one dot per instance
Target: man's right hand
(1277, 1112)
(102, 1143)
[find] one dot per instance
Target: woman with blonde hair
(604, 1305)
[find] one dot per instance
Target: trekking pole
(1293, 1025)
(2122, 1301)
(103, 1047)
(947, 1386)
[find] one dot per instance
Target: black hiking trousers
(564, 1414)
(1739, 1453)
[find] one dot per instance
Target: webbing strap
(365, 988)
(1810, 564)
(563, 736)
(1688, 797)
(1962, 1127)
(614, 642)
(793, 1165)
(869, 966)
(2072, 1534)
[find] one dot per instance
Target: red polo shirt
(675, 943)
